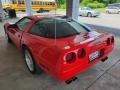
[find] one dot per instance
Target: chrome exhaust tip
(71, 80)
(103, 60)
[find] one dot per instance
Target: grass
(61, 10)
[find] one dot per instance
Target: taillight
(81, 53)
(70, 57)
(108, 41)
(112, 39)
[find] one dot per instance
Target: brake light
(81, 53)
(112, 39)
(108, 41)
(70, 57)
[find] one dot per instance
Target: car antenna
(55, 22)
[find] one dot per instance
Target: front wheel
(41, 10)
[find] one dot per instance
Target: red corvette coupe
(61, 47)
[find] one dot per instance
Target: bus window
(19, 2)
(37, 2)
(43, 3)
(48, 3)
(32, 2)
(22, 2)
(14, 2)
(51, 3)
(40, 3)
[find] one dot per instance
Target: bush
(85, 2)
(92, 4)
(100, 5)
(62, 6)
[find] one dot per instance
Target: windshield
(58, 28)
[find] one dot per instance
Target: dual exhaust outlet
(75, 78)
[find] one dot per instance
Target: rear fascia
(67, 71)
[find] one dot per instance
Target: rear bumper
(73, 71)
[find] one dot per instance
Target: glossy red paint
(50, 54)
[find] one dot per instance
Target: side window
(83, 8)
(23, 23)
(38, 29)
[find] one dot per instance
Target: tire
(41, 10)
(30, 62)
(89, 14)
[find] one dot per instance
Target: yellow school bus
(37, 5)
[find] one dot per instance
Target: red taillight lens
(108, 41)
(81, 53)
(112, 39)
(70, 57)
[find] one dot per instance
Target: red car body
(50, 54)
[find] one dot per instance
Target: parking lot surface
(103, 76)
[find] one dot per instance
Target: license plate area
(94, 55)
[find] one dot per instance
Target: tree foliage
(97, 3)
(90, 3)
(100, 1)
(103, 1)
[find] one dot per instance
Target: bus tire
(41, 10)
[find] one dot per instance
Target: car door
(21, 25)
(114, 10)
(82, 11)
(85, 11)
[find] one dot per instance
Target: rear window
(58, 28)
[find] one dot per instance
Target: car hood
(76, 40)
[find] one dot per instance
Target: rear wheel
(89, 14)
(30, 63)
(41, 10)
